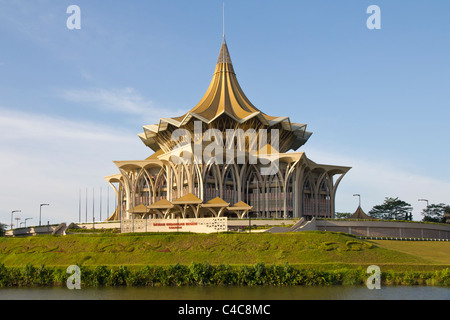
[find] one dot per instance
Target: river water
(230, 293)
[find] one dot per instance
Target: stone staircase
(61, 229)
(300, 225)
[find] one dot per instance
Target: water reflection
(227, 293)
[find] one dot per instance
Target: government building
(225, 158)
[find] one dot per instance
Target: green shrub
(224, 275)
(44, 276)
(5, 279)
(175, 275)
(246, 275)
(202, 274)
(100, 276)
(442, 277)
(28, 275)
(259, 273)
(118, 277)
(353, 276)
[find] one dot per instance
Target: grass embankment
(323, 250)
(306, 258)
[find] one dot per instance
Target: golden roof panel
(187, 199)
(216, 202)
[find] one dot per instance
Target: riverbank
(322, 250)
(198, 274)
(230, 259)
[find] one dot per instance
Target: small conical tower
(360, 214)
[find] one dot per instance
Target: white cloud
(15, 125)
(378, 178)
(125, 100)
(47, 160)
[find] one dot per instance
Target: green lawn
(433, 251)
(316, 249)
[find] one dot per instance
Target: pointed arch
(142, 189)
(253, 190)
(324, 197)
(275, 195)
(185, 185)
(308, 195)
(211, 182)
(160, 186)
(197, 181)
(230, 183)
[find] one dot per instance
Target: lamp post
(359, 196)
(26, 221)
(426, 200)
(17, 219)
(423, 200)
(40, 211)
(12, 212)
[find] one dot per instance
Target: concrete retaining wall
(368, 228)
(363, 228)
(31, 231)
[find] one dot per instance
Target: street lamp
(40, 211)
(423, 200)
(12, 212)
(17, 219)
(359, 196)
(26, 221)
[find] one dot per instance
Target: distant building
(160, 187)
(360, 214)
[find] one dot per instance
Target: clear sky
(72, 101)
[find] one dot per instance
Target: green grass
(438, 252)
(319, 250)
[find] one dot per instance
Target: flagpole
(86, 204)
(100, 203)
(79, 206)
(107, 204)
(93, 204)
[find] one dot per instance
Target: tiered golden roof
(225, 97)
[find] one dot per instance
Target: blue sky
(71, 101)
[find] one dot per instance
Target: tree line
(396, 209)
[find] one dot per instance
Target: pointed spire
(223, 21)
(224, 55)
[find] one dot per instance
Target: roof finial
(223, 20)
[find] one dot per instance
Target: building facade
(225, 158)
